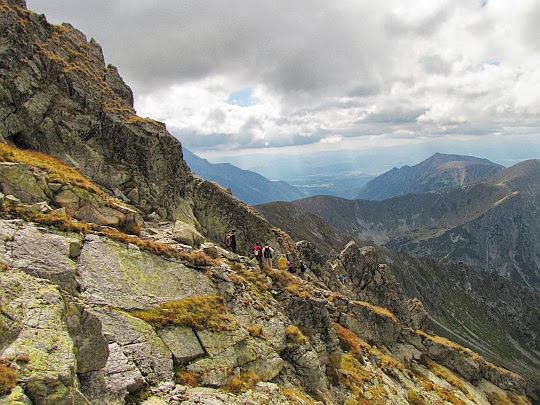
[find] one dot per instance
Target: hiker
(282, 263)
(291, 268)
(231, 241)
(267, 252)
(257, 252)
(302, 268)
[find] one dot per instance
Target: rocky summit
(115, 287)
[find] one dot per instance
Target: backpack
(256, 250)
(267, 252)
(228, 239)
(282, 263)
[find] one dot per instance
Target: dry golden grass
(288, 282)
(445, 374)
(296, 395)
(186, 377)
(242, 382)
(284, 240)
(57, 170)
(63, 222)
(255, 331)
(379, 310)
(8, 378)
(202, 312)
(294, 334)
(197, 258)
(350, 342)
(449, 343)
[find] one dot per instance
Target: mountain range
(248, 186)
(116, 286)
(492, 225)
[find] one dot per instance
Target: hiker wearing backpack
(302, 268)
(231, 241)
(257, 252)
(267, 253)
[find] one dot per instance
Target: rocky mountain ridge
(435, 173)
(59, 97)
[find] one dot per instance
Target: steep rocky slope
(91, 315)
(57, 96)
(487, 313)
(438, 172)
(303, 225)
(492, 225)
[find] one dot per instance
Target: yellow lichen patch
(242, 382)
(203, 312)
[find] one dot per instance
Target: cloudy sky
(243, 74)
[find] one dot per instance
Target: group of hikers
(264, 255)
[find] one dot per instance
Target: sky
(247, 76)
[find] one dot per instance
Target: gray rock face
(40, 254)
(39, 311)
(132, 279)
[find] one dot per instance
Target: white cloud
(320, 71)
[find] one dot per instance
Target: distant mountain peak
(437, 172)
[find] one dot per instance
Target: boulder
(42, 254)
(17, 179)
(182, 342)
(187, 234)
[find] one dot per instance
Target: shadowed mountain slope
(438, 172)
(492, 225)
(248, 186)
